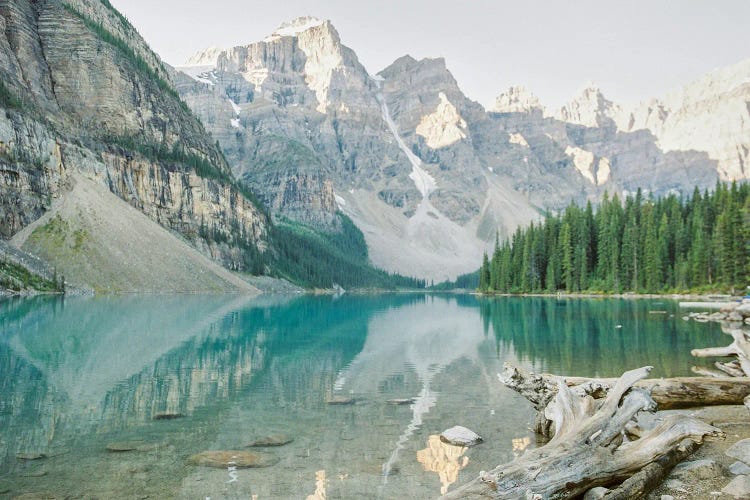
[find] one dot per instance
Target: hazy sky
(632, 49)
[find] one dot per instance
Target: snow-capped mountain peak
(295, 27)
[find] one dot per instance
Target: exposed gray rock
(734, 316)
(739, 468)
(676, 485)
(739, 487)
(596, 493)
(460, 436)
(740, 451)
(701, 469)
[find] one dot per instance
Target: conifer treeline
(641, 245)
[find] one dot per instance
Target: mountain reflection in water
(79, 373)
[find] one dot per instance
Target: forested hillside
(642, 245)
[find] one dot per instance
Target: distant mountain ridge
(428, 175)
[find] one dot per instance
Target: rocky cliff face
(427, 174)
(84, 94)
(296, 115)
(711, 114)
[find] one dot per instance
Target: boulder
(739, 468)
(233, 458)
(596, 493)
(743, 309)
(460, 436)
(739, 487)
(731, 306)
(740, 451)
(734, 316)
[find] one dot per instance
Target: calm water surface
(77, 374)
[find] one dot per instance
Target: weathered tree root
(589, 447)
(668, 393)
(740, 349)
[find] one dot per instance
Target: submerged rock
(460, 436)
(167, 416)
(268, 441)
(124, 446)
(36, 473)
(399, 402)
(233, 458)
(340, 400)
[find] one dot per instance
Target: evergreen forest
(640, 244)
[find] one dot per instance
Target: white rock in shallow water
(460, 436)
(739, 487)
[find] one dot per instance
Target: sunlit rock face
(444, 127)
(517, 99)
(711, 114)
(590, 108)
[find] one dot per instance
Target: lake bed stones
(233, 458)
(271, 441)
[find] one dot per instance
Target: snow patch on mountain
(424, 182)
(294, 27)
(235, 107)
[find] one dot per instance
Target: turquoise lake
(79, 373)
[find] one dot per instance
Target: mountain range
(430, 176)
(293, 132)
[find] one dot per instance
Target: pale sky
(633, 49)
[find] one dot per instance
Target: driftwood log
(668, 393)
(739, 349)
(589, 447)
